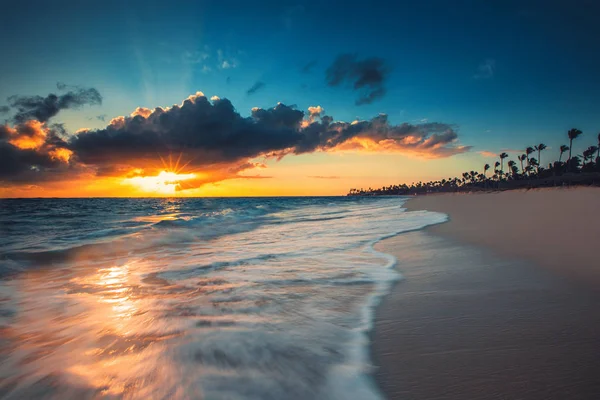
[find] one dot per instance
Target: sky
(226, 98)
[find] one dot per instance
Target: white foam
(278, 303)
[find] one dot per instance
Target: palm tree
(528, 151)
(533, 163)
(512, 165)
(564, 148)
(502, 157)
(598, 151)
(522, 158)
(589, 153)
(539, 149)
(485, 168)
(573, 134)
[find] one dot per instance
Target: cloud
(142, 111)
(486, 69)
(315, 111)
(518, 151)
(196, 57)
(488, 154)
(307, 68)
(31, 151)
(101, 117)
(208, 137)
(367, 77)
(4, 109)
(224, 61)
(255, 88)
(324, 177)
(43, 108)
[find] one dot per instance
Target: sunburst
(168, 181)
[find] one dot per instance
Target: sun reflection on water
(96, 332)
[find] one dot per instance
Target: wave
(220, 298)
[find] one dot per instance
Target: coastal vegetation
(529, 172)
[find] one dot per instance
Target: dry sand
(499, 303)
(554, 228)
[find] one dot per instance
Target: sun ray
(163, 161)
(185, 165)
(177, 163)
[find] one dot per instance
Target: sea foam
(197, 298)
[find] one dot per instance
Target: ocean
(212, 298)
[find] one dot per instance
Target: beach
(501, 302)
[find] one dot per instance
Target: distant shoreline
(568, 181)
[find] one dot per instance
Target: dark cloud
(207, 132)
(32, 152)
(207, 136)
(214, 132)
(367, 77)
(4, 109)
(377, 134)
(255, 88)
(307, 68)
(43, 108)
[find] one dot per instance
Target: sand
(554, 228)
(501, 302)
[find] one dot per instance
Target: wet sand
(478, 316)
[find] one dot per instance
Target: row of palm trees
(581, 169)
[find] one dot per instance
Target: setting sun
(164, 183)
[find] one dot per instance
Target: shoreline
(474, 318)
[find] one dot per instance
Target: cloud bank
(208, 136)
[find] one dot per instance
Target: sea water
(245, 298)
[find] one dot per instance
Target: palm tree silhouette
(564, 148)
(598, 151)
(522, 158)
(573, 134)
(539, 149)
(528, 151)
(502, 157)
(496, 165)
(512, 165)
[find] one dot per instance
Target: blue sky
(507, 73)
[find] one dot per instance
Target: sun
(167, 182)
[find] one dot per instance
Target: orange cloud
(30, 135)
(61, 154)
(143, 111)
(488, 154)
(411, 148)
